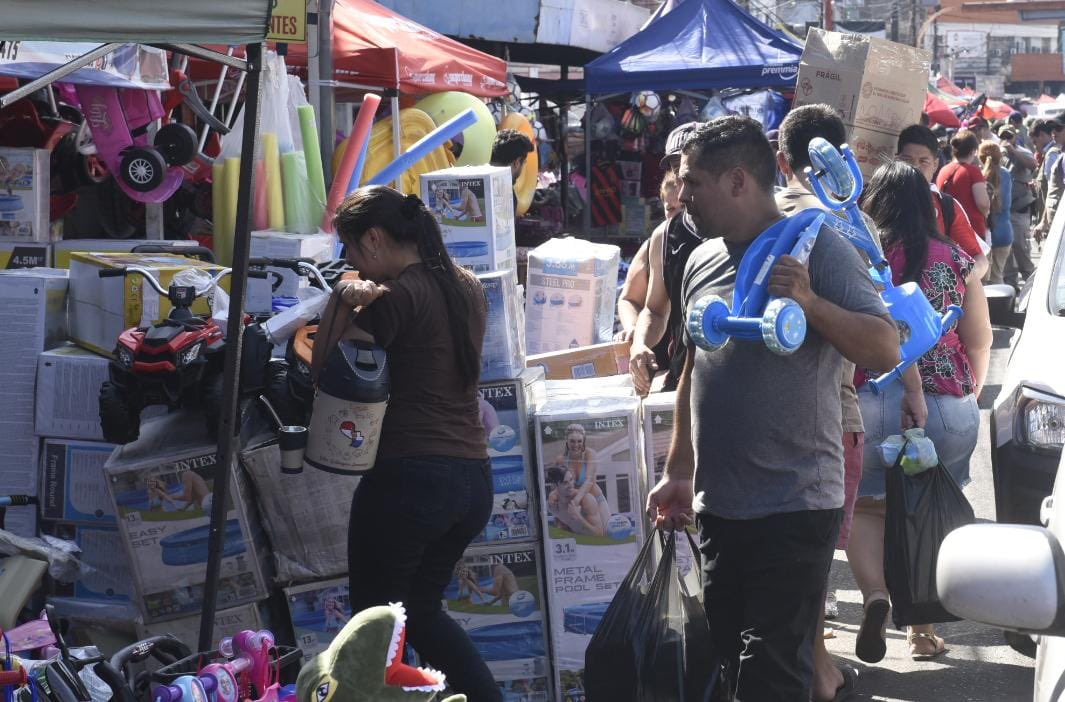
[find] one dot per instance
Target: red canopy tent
(948, 87)
(376, 48)
(1045, 100)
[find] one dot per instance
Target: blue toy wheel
(701, 317)
(826, 160)
(783, 326)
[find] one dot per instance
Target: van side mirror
(1005, 575)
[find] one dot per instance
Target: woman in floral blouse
(938, 393)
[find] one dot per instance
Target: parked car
(1028, 418)
(1012, 576)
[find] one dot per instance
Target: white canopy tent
(179, 27)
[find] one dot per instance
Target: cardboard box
(73, 486)
(570, 295)
(102, 308)
(318, 612)
(24, 189)
(32, 319)
(162, 489)
(15, 255)
(105, 571)
(68, 391)
(302, 514)
(658, 409)
(506, 408)
(596, 361)
(878, 87)
(63, 250)
(227, 622)
(474, 206)
(496, 595)
(503, 350)
(275, 244)
(590, 542)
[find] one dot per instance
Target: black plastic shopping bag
(610, 659)
(677, 661)
(921, 510)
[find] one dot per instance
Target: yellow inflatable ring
(476, 140)
(414, 124)
(525, 186)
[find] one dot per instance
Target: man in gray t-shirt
(760, 433)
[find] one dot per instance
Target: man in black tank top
(662, 316)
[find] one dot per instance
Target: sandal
(939, 646)
(870, 645)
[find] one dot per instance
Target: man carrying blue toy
(757, 453)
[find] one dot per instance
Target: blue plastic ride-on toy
(837, 182)
(777, 322)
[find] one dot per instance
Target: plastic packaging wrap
(917, 451)
(61, 555)
(570, 294)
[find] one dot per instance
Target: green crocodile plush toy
(364, 663)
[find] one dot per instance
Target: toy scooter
(174, 362)
(247, 670)
(779, 322)
(147, 169)
(128, 687)
(837, 182)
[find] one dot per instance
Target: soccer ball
(648, 103)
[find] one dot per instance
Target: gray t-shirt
(766, 428)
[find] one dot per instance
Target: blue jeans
(411, 520)
(953, 424)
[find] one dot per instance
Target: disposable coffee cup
(292, 441)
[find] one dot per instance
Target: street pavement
(979, 665)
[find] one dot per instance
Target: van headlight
(1041, 420)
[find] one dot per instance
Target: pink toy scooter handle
(250, 652)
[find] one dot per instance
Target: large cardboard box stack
(658, 409)
(878, 87)
(570, 296)
(595, 361)
(474, 206)
(32, 319)
(68, 393)
(162, 487)
(496, 596)
(24, 190)
(506, 407)
(586, 433)
(102, 308)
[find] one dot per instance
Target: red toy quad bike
(177, 362)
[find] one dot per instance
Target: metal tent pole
(230, 425)
(326, 91)
(586, 223)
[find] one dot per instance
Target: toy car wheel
(826, 158)
(701, 325)
(783, 326)
(119, 421)
(176, 142)
(143, 169)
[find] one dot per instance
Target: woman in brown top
(430, 491)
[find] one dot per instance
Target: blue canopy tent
(697, 45)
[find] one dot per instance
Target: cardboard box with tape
(877, 86)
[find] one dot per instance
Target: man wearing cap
(671, 244)
(1020, 132)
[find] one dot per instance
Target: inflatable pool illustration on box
(466, 249)
(319, 611)
(584, 619)
(190, 546)
(504, 642)
(508, 473)
(10, 206)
